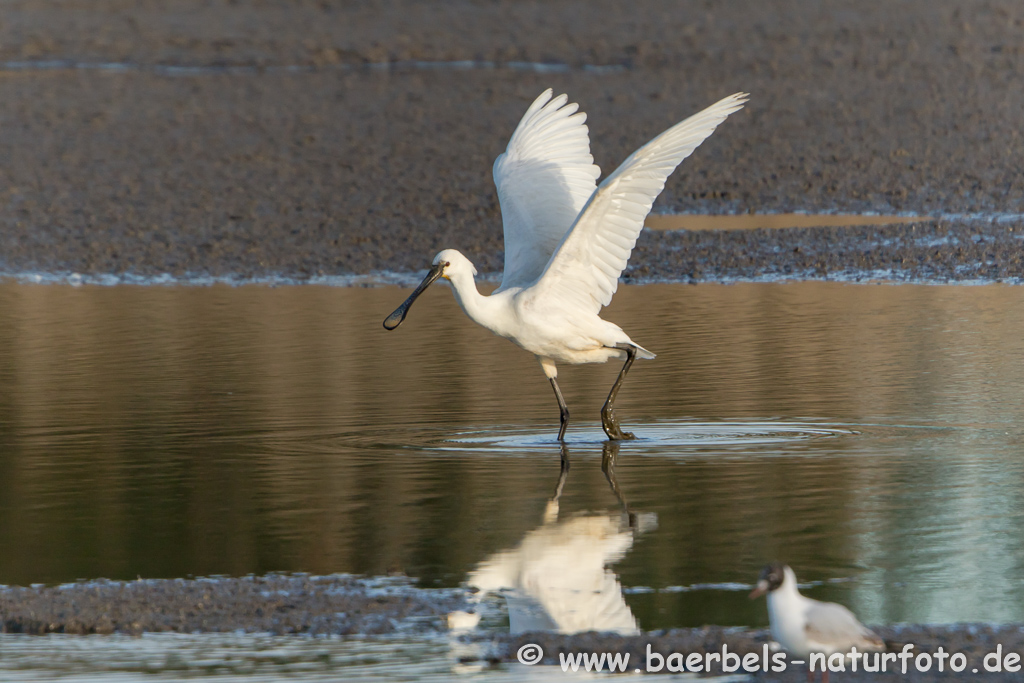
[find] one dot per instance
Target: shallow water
(869, 435)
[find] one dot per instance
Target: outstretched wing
(584, 270)
(544, 179)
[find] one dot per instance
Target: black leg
(563, 473)
(551, 511)
(562, 409)
(608, 421)
(608, 454)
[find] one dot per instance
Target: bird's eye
(447, 263)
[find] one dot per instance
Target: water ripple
(657, 436)
(192, 70)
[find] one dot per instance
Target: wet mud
(277, 604)
(939, 251)
(974, 641)
(264, 139)
(349, 605)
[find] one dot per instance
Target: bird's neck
(785, 600)
(788, 592)
(480, 309)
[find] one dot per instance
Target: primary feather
(585, 267)
(544, 178)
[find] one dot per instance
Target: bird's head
(447, 264)
(453, 263)
(770, 579)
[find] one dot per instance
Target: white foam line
(200, 280)
(806, 212)
(724, 586)
(207, 70)
(999, 218)
(388, 278)
(865, 277)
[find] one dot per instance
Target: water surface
(871, 436)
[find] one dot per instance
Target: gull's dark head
(770, 579)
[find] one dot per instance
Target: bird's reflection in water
(558, 577)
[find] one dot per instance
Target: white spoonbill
(567, 240)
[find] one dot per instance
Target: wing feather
(544, 178)
(585, 267)
(831, 624)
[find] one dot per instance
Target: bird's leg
(563, 472)
(562, 409)
(811, 676)
(608, 454)
(608, 421)
(551, 511)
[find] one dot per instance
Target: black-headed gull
(803, 626)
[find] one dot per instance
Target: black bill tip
(396, 318)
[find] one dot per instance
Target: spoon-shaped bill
(396, 318)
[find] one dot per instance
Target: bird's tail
(641, 352)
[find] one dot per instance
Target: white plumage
(567, 240)
(802, 625)
(544, 179)
(557, 578)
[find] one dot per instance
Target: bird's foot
(613, 430)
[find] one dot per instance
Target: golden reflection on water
(169, 431)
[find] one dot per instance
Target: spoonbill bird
(567, 240)
(559, 577)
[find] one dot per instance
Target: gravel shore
(974, 641)
(278, 604)
(300, 139)
(350, 605)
